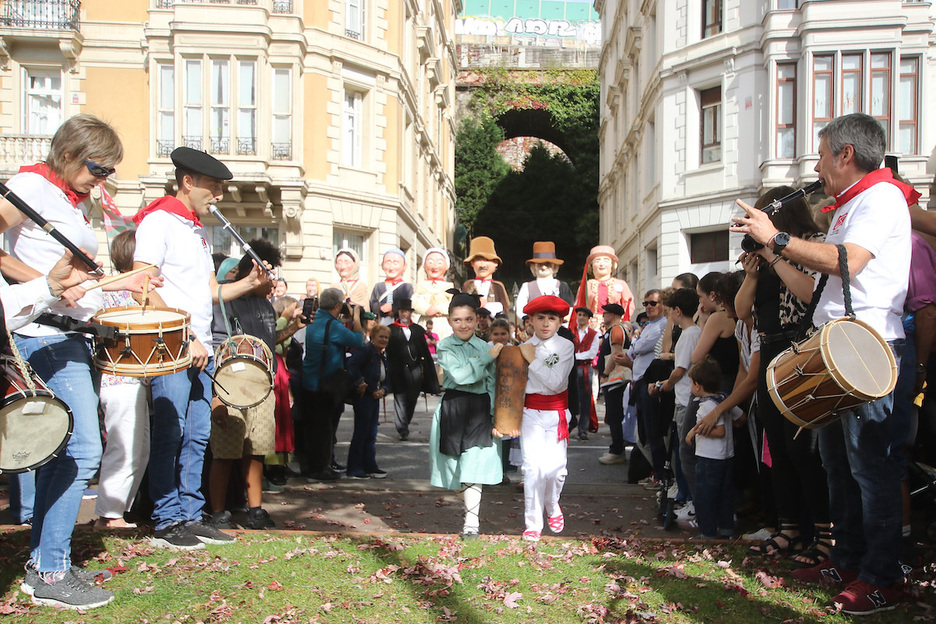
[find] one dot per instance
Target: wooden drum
(843, 365)
(510, 392)
(150, 341)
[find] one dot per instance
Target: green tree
(478, 166)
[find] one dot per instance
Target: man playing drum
(171, 236)
(871, 221)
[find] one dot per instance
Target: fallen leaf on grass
(768, 581)
(143, 590)
(8, 607)
(510, 600)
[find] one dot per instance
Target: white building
(706, 101)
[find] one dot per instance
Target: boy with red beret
(545, 426)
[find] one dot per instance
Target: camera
(309, 306)
(750, 245)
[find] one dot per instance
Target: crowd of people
(688, 382)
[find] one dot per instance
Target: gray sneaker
(70, 592)
(177, 536)
(220, 520)
(207, 533)
(31, 580)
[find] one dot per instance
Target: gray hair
(330, 298)
(652, 291)
(863, 132)
(83, 137)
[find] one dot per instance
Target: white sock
(472, 496)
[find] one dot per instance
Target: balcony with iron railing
(279, 6)
(40, 14)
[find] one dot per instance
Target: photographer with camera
(325, 379)
(776, 293)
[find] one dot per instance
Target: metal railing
(282, 6)
(16, 150)
(247, 147)
(281, 151)
(40, 14)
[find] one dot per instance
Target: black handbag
(339, 384)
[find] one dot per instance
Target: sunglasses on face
(97, 170)
(650, 304)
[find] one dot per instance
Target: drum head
(33, 430)
(859, 359)
(242, 382)
(138, 316)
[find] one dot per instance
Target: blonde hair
(280, 305)
(376, 329)
(83, 137)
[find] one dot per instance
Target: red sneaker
(861, 598)
(825, 572)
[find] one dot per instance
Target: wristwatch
(780, 241)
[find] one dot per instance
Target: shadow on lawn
(14, 552)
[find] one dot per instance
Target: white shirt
(682, 357)
(546, 286)
(24, 302)
(716, 448)
(589, 355)
(877, 219)
(553, 361)
(641, 351)
(749, 341)
(181, 251)
(33, 246)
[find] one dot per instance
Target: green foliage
(478, 166)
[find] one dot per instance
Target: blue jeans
(178, 439)
(362, 454)
(22, 496)
(865, 500)
(714, 496)
(64, 362)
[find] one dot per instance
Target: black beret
(585, 311)
(194, 161)
(613, 308)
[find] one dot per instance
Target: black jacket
(406, 354)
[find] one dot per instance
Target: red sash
(558, 402)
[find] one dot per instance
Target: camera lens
(750, 245)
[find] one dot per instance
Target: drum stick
(146, 281)
(244, 244)
(117, 278)
(23, 207)
(216, 382)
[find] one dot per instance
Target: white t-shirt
(682, 358)
(33, 246)
(181, 251)
(878, 220)
(716, 448)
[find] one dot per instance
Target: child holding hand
(714, 478)
(545, 426)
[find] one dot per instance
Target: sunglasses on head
(650, 304)
(97, 170)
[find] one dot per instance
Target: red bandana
(399, 324)
(393, 282)
(43, 169)
(169, 204)
(877, 176)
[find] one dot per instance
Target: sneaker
(686, 512)
(177, 537)
(258, 519)
(861, 598)
(70, 592)
(221, 520)
(323, 475)
(825, 572)
(531, 536)
(758, 536)
(207, 533)
(360, 475)
(268, 487)
(377, 474)
(469, 533)
(31, 580)
(583, 437)
(689, 523)
(653, 485)
(609, 459)
(672, 492)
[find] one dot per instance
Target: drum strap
(67, 323)
(227, 324)
(846, 291)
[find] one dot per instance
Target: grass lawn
(299, 577)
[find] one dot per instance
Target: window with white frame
(786, 110)
(282, 113)
(42, 105)
(352, 129)
(356, 241)
(219, 103)
(823, 94)
(852, 79)
(354, 19)
(881, 90)
(165, 109)
(223, 242)
(710, 114)
(908, 96)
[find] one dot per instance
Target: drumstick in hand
(146, 279)
(115, 278)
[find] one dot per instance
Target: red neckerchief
(169, 204)
(43, 169)
(877, 176)
(484, 279)
(393, 282)
(436, 280)
(399, 324)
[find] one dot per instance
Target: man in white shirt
(871, 222)
(171, 236)
(586, 348)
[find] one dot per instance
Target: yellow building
(336, 116)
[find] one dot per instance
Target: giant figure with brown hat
(604, 288)
(543, 265)
(483, 260)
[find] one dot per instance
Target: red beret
(547, 303)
